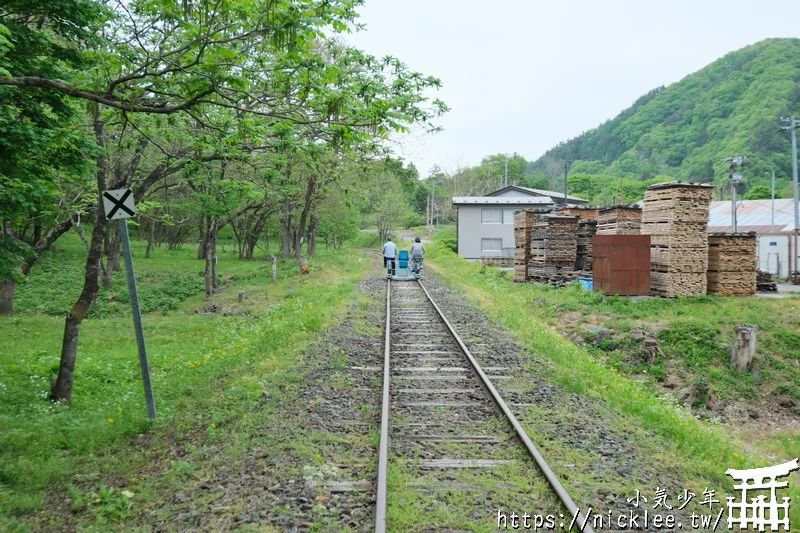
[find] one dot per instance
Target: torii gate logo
(760, 513)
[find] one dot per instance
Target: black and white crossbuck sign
(118, 204)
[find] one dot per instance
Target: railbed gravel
(339, 403)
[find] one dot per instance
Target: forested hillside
(731, 107)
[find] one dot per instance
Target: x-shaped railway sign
(118, 204)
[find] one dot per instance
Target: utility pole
(506, 173)
(428, 212)
(793, 126)
(566, 172)
(736, 178)
(772, 220)
(433, 201)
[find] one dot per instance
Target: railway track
(441, 413)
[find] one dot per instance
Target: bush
(451, 244)
(413, 220)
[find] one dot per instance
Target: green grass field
(58, 464)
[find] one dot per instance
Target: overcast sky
(523, 75)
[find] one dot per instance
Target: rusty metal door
(621, 264)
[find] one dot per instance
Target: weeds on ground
(690, 327)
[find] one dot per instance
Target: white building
(777, 248)
(485, 224)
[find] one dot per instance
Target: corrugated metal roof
(542, 192)
(761, 230)
(503, 200)
(553, 193)
(754, 214)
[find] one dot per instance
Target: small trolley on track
(408, 268)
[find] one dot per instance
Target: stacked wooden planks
(554, 243)
(619, 220)
(676, 216)
(523, 225)
(732, 264)
(584, 213)
(586, 229)
(566, 277)
(764, 281)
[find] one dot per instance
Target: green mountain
(731, 107)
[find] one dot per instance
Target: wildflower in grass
(110, 420)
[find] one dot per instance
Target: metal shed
(621, 264)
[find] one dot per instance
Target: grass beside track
(697, 450)
(97, 463)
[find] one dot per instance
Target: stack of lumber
(584, 213)
(566, 277)
(586, 229)
(676, 217)
(554, 244)
(732, 264)
(764, 281)
(619, 220)
(523, 224)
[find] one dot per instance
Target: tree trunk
(151, 237)
(274, 269)
(8, 287)
(251, 241)
(214, 273)
(113, 251)
(301, 224)
(744, 348)
(37, 233)
(240, 236)
(62, 388)
(312, 235)
(108, 279)
(211, 257)
(201, 248)
(208, 273)
(286, 230)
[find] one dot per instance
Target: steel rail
(383, 448)
(582, 521)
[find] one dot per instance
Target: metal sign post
(119, 206)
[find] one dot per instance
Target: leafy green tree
(260, 74)
(759, 192)
(43, 146)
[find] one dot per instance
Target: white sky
(523, 75)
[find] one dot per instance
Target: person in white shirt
(390, 254)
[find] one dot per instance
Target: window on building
(491, 216)
(491, 245)
(508, 216)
